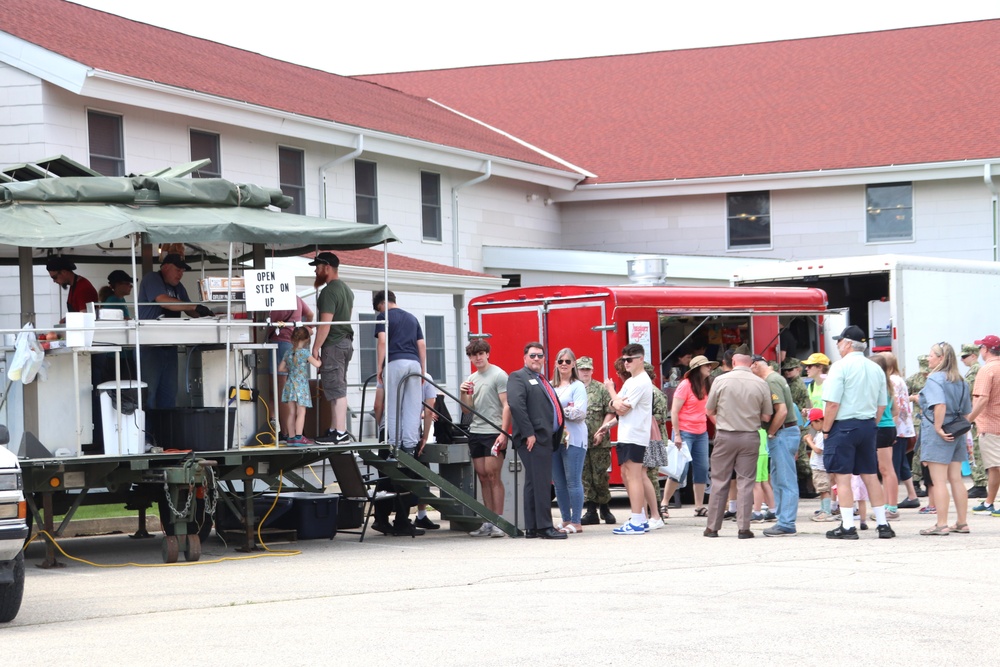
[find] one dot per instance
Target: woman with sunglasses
(944, 397)
(690, 426)
(568, 457)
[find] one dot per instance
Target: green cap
(584, 364)
(742, 349)
(790, 363)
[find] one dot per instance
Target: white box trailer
(928, 299)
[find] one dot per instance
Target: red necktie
(555, 400)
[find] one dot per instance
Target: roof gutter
(988, 178)
(454, 208)
(359, 148)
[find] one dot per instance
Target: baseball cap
(587, 364)
(176, 260)
(755, 358)
(817, 359)
(814, 414)
(852, 333)
(990, 341)
(327, 258)
(119, 276)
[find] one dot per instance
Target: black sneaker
(425, 522)
(921, 493)
(343, 438)
(977, 492)
(840, 533)
(383, 527)
(406, 529)
(885, 531)
(729, 516)
(328, 438)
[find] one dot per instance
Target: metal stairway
(449, 503)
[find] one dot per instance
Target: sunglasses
(536, 355)
(628, 359)
(564, 362)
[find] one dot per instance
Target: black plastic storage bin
(199, 429)
(226, 520)
(313, 516)
(350, 513)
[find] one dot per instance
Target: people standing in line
(80, 291)
(296, 395)
(885, 438)
(403, 352)
(280, 334)
(334, 343)
(986, 415)
(568, 455)
(905, 435)
(597, 462)
(690, 426)
(817, 366)
(740, 402)
(634, 407)
(161, 294)
(855, 395)
(485, 391)
(914, 384)
(943, 398)
(113, 295)
(537, 421)
(970, 357)
(783, 436)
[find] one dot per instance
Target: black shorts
(885, 436)
(481, 445)
(628, 451)
(849, 449)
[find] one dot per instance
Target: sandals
(959, 528)
(664, 511)
(567, 528)
(939, 530)
(701, 511)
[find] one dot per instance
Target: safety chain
(170, 503)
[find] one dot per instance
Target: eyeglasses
(628, 359)
(536, 355)
(564, 362)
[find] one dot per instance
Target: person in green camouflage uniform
(915, 384)
(970, 357)
(791, 370)
(596, 492)
(661, 415)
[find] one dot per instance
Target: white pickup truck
(13, 531)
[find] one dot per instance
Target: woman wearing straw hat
(690, 426)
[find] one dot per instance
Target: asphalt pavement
(668, 597)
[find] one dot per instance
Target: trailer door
(507, 329)
(580, 326)
(834, 322)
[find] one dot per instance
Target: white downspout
(988, 177)
(359, 148)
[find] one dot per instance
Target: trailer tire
(170, 549)
(192, 551)
(12, 593)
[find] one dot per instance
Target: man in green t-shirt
(782, 447)
(334, 343)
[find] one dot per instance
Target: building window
(430, 198)
(107, 152)
(749, 220)
(434, 339)
(367, 347)
(890, 212)
(206, 145)
(366, 191)
(292, 177)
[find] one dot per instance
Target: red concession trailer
(598, 321)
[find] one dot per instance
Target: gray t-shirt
(489, 384)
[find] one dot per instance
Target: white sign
(268, 289)
(638, 332)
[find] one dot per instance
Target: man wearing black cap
(855, 394)
(161, 294)
(334, 343)
(81, 290)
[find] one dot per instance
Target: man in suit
(537, 427)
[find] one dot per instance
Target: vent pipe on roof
(359, 148)
(648, 270)
(988, 177)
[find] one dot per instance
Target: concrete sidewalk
(670, 596)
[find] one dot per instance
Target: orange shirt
(988, 385)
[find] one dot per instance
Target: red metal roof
(114, 44)
(373, 259)
(905, 96)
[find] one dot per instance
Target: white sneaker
(496, 532)
(485, 530)
(656, 524)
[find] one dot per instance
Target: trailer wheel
(170, 549)
(11, 594)
(192, 551)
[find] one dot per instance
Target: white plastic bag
(36, 355)
(677, 460)
(21, 355)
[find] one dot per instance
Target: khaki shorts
(333, 372)
(821, 481)
(989, 447)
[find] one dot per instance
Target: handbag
(958, 425)
(656, 454)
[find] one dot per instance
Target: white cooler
(133, 426)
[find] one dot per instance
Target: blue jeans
(567, 475)
(698, 465)
(159, 372)
(784, 478)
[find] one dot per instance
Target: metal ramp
(452, 499)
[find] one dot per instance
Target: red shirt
(81, 292)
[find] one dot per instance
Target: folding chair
(354, 486)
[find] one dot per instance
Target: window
(366, 192)
(434, 339)
(292, 177)
(430, 198)
(206, 145)
(367, 347)
(749, 220)
(107, 153)
(890, 212)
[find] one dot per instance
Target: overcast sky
(390, 36)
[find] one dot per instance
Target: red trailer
(598, 321)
